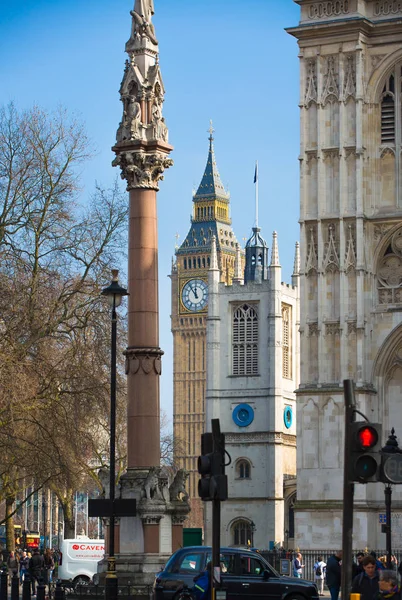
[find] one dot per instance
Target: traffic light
(391, 461)
(365, 445)
(211, 466)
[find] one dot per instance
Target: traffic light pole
(348, 491)
(388, 529)
(216, 519)
(216, 546)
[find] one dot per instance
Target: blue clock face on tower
(288, 417)
(243, 415)
(195, 295)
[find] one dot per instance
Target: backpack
(318, 570)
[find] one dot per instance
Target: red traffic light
(367, 436)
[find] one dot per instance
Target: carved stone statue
(150, 489)
(130, 126)
(134, 118)
(160, 129)
(177, 490)
(142, 22)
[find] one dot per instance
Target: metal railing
(10, 588)
(310, 558)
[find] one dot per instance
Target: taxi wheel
(295, 597)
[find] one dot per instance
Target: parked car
(246, 575)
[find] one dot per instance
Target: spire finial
(275, 251)
(296, 265)
(238, 272)
(211, 131)
(256, 192)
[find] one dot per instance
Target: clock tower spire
(210, 219)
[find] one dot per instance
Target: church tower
(252, 372)
(189, 277)
(351, 251)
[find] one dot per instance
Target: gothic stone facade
(252, 372)
(351, 251)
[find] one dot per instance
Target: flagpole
(256, 192)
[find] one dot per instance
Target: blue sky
(226, 60)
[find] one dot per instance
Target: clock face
(195, 295)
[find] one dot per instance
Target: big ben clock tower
(189, 312)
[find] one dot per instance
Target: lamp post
(114, 293)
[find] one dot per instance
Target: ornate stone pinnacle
(142, 170)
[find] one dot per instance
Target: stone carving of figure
(134, 118)
(142, 21)
(160, 129)
(150, 488)
(177, 490)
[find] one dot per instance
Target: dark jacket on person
(36, 564)
(333, 572)
(356, 570)
(12, 564)
(366, 586)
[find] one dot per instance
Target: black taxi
(245, 575)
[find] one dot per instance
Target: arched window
(389, 271)
(291, 517)
(391, 140)
(245, 340)
(242, 533)
(185, 263)
(388, 116)
(243, 469)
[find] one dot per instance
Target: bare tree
(55, 257)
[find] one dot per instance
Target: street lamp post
(114, 293)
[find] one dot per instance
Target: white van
(79, 559)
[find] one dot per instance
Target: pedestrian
(298, 565)
(12, 564)
(49, 565)
(319, 574)
(36, 564)
(378, 564)
(333, 574)
(24, 566)
(202, 584)
(357, 568)
(388, 585)
(366, 584)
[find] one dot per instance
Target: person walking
(202, 584)
(49, 565)
(319, 574)
(333, 574)
(297, 565)
(366, 584)
(388, 585)
(12, 564)
(24, 566)
(36, 564)
(357, 567)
